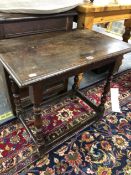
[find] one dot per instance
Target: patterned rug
(102, 149)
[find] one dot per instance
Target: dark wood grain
(29, 60)
(16, 25)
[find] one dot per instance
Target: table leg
(76, 85)
(16, 97)
(77, 81)
(114, 67)
(105, 92)
(10, 93)
(36, 95)
(18, 107)
(127, 33)
(85, 22)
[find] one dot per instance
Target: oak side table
(34, 63)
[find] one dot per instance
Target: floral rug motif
(102, 149)
(17, 150)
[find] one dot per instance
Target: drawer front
(21, 28)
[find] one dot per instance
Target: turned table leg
(77, 80)
(127, 33)
(106, 89)
(18, 110)
(36, 95)
(76, 85)
(114, 67)
(16, 97)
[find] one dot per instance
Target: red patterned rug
(101, 149)
(16, 148)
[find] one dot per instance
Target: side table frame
(35, 92)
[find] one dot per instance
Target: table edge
(28, 82)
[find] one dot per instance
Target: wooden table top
(35, 58)
(88, 8)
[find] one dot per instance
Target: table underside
(45, 142)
